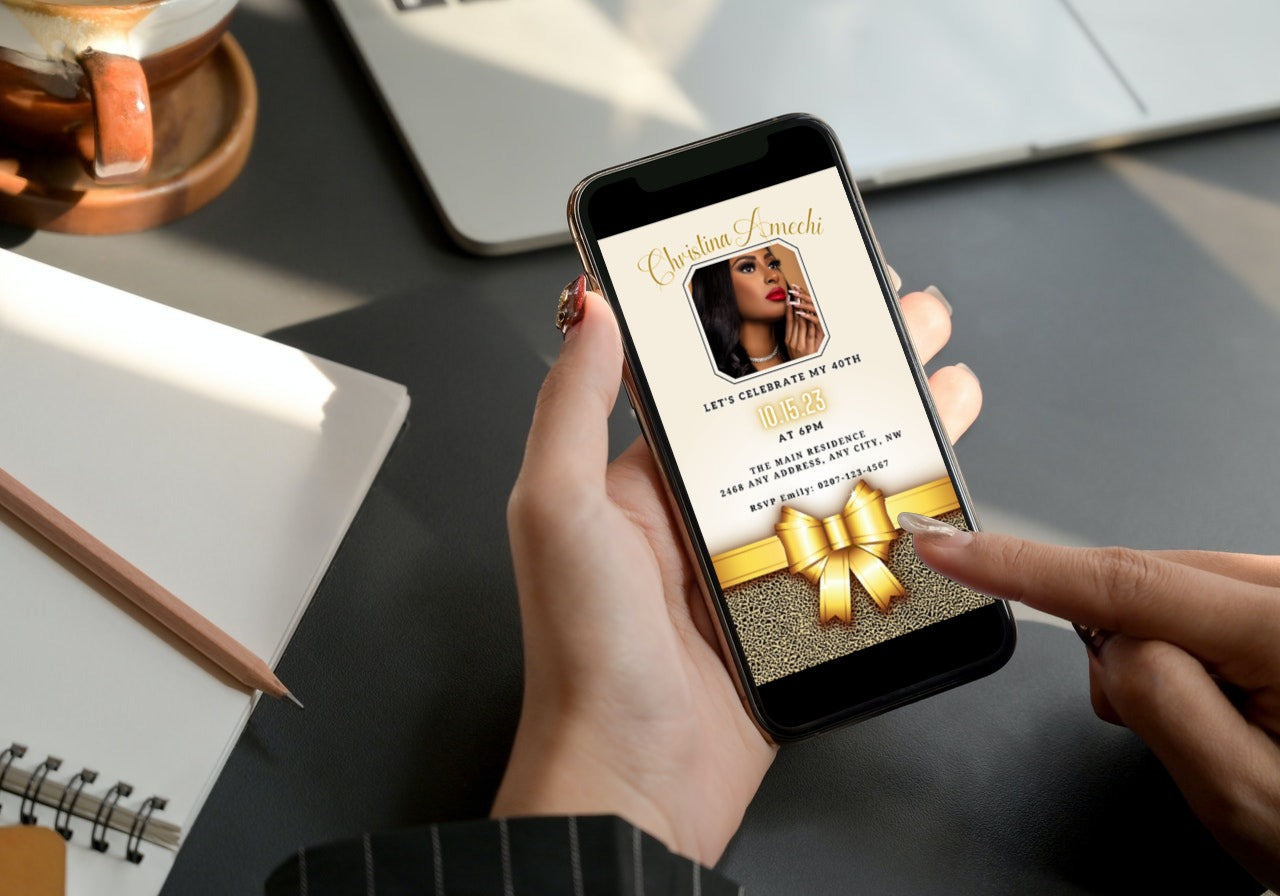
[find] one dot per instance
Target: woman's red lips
(777, 294)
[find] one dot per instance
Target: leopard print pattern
(777, 615)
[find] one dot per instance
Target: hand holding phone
(629, 708)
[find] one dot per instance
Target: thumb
(568, 445)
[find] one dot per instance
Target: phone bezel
(906, 668)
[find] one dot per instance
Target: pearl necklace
(769, 357)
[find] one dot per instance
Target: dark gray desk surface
(1123, 311)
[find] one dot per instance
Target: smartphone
(783, 402)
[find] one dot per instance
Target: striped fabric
(574, 856)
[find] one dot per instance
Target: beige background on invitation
(716, 449)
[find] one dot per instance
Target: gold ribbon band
(854, 542)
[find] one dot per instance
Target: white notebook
(225, 466)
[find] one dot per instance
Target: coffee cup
(77, 75)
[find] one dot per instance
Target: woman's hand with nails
(803, 334)
(629, 708)
(1191, 662)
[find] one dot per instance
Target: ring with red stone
(569, 308)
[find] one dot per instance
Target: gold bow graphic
(854, 542)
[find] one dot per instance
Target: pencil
(144, 592)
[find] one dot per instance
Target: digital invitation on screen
(793, 417)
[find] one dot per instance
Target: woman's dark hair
(717, 306)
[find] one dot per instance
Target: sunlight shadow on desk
(186, 354)
(1197, 207)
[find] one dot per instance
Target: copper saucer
(203, 130)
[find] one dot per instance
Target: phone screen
(766, 338)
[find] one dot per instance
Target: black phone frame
(868, 681)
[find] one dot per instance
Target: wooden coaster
(33, 862)
(203, 130)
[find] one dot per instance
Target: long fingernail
(937, 294)
(569, 310)
(934, 531)
(1092, 636)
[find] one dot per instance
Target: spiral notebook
(225, 466)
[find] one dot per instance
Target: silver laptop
(506, 104)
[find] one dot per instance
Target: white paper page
(225, 466)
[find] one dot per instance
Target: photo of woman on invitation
(756, 310)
